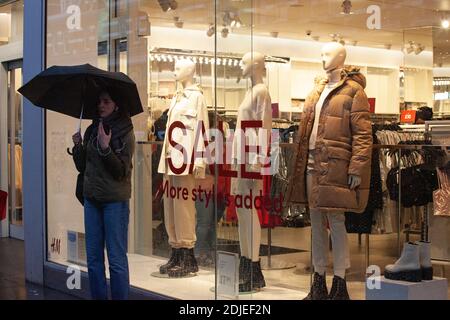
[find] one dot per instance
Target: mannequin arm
(354, 181)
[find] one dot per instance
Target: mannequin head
(253, 65)
(184, 70)
(333, 56)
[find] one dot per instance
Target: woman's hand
(103, 138)
(77, 139)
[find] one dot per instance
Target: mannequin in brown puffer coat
(332, 165)
(343, 147)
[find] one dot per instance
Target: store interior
(406, 64)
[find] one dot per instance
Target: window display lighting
(167, 5)
(204, 59)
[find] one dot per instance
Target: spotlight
(419, 49)
(167, 5)
(410, 49)
(445, 23)
(346, 7)
(274, 34)
(211, 30)
(177, 22)
(236, 22)
(342, 41)
(225, 32)
(388, 46)
(227, 18)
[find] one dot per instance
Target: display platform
(435, 289)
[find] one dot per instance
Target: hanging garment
(441, 197)
(362, 223)
(417, 185)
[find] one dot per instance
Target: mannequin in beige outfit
(189, 108)
(255, 106)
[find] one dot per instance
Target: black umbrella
(74, 90)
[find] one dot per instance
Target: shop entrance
(14, 146)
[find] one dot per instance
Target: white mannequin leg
(319, 241)
(249, 233)
(341, 255)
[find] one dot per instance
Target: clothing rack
(424, 230)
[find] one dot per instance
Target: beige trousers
(179, 213)
(336, 222)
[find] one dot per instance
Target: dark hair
(424, 113)
(115, 96)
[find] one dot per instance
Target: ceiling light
(419, 48)
(235, 22)
(274, 34)
(445, 23)
(227, 18)
(167, 5)
(211, 30)
(346, 7)
(410, 49)
(354, 43)
(316, 38)
(225, 32)
(177, 22)
(388, 46)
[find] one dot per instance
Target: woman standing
(104, 157)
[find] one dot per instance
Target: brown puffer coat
(343, 147)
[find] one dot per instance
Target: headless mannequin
(184, 74)
(333, 59)
(255, 106)
(189, 107)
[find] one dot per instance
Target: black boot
(253, 278)
(339, 289)
(319, 289)
(173, 261)
(187, 264)
(244, 269)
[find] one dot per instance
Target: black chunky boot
(173, 261)
(244, 269)
(319, 289)
(339, 289)
(187, 264)
(253, 278)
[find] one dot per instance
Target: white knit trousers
(336, 222)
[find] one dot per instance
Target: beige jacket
(188, 107)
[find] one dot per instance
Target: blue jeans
(107, 223)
